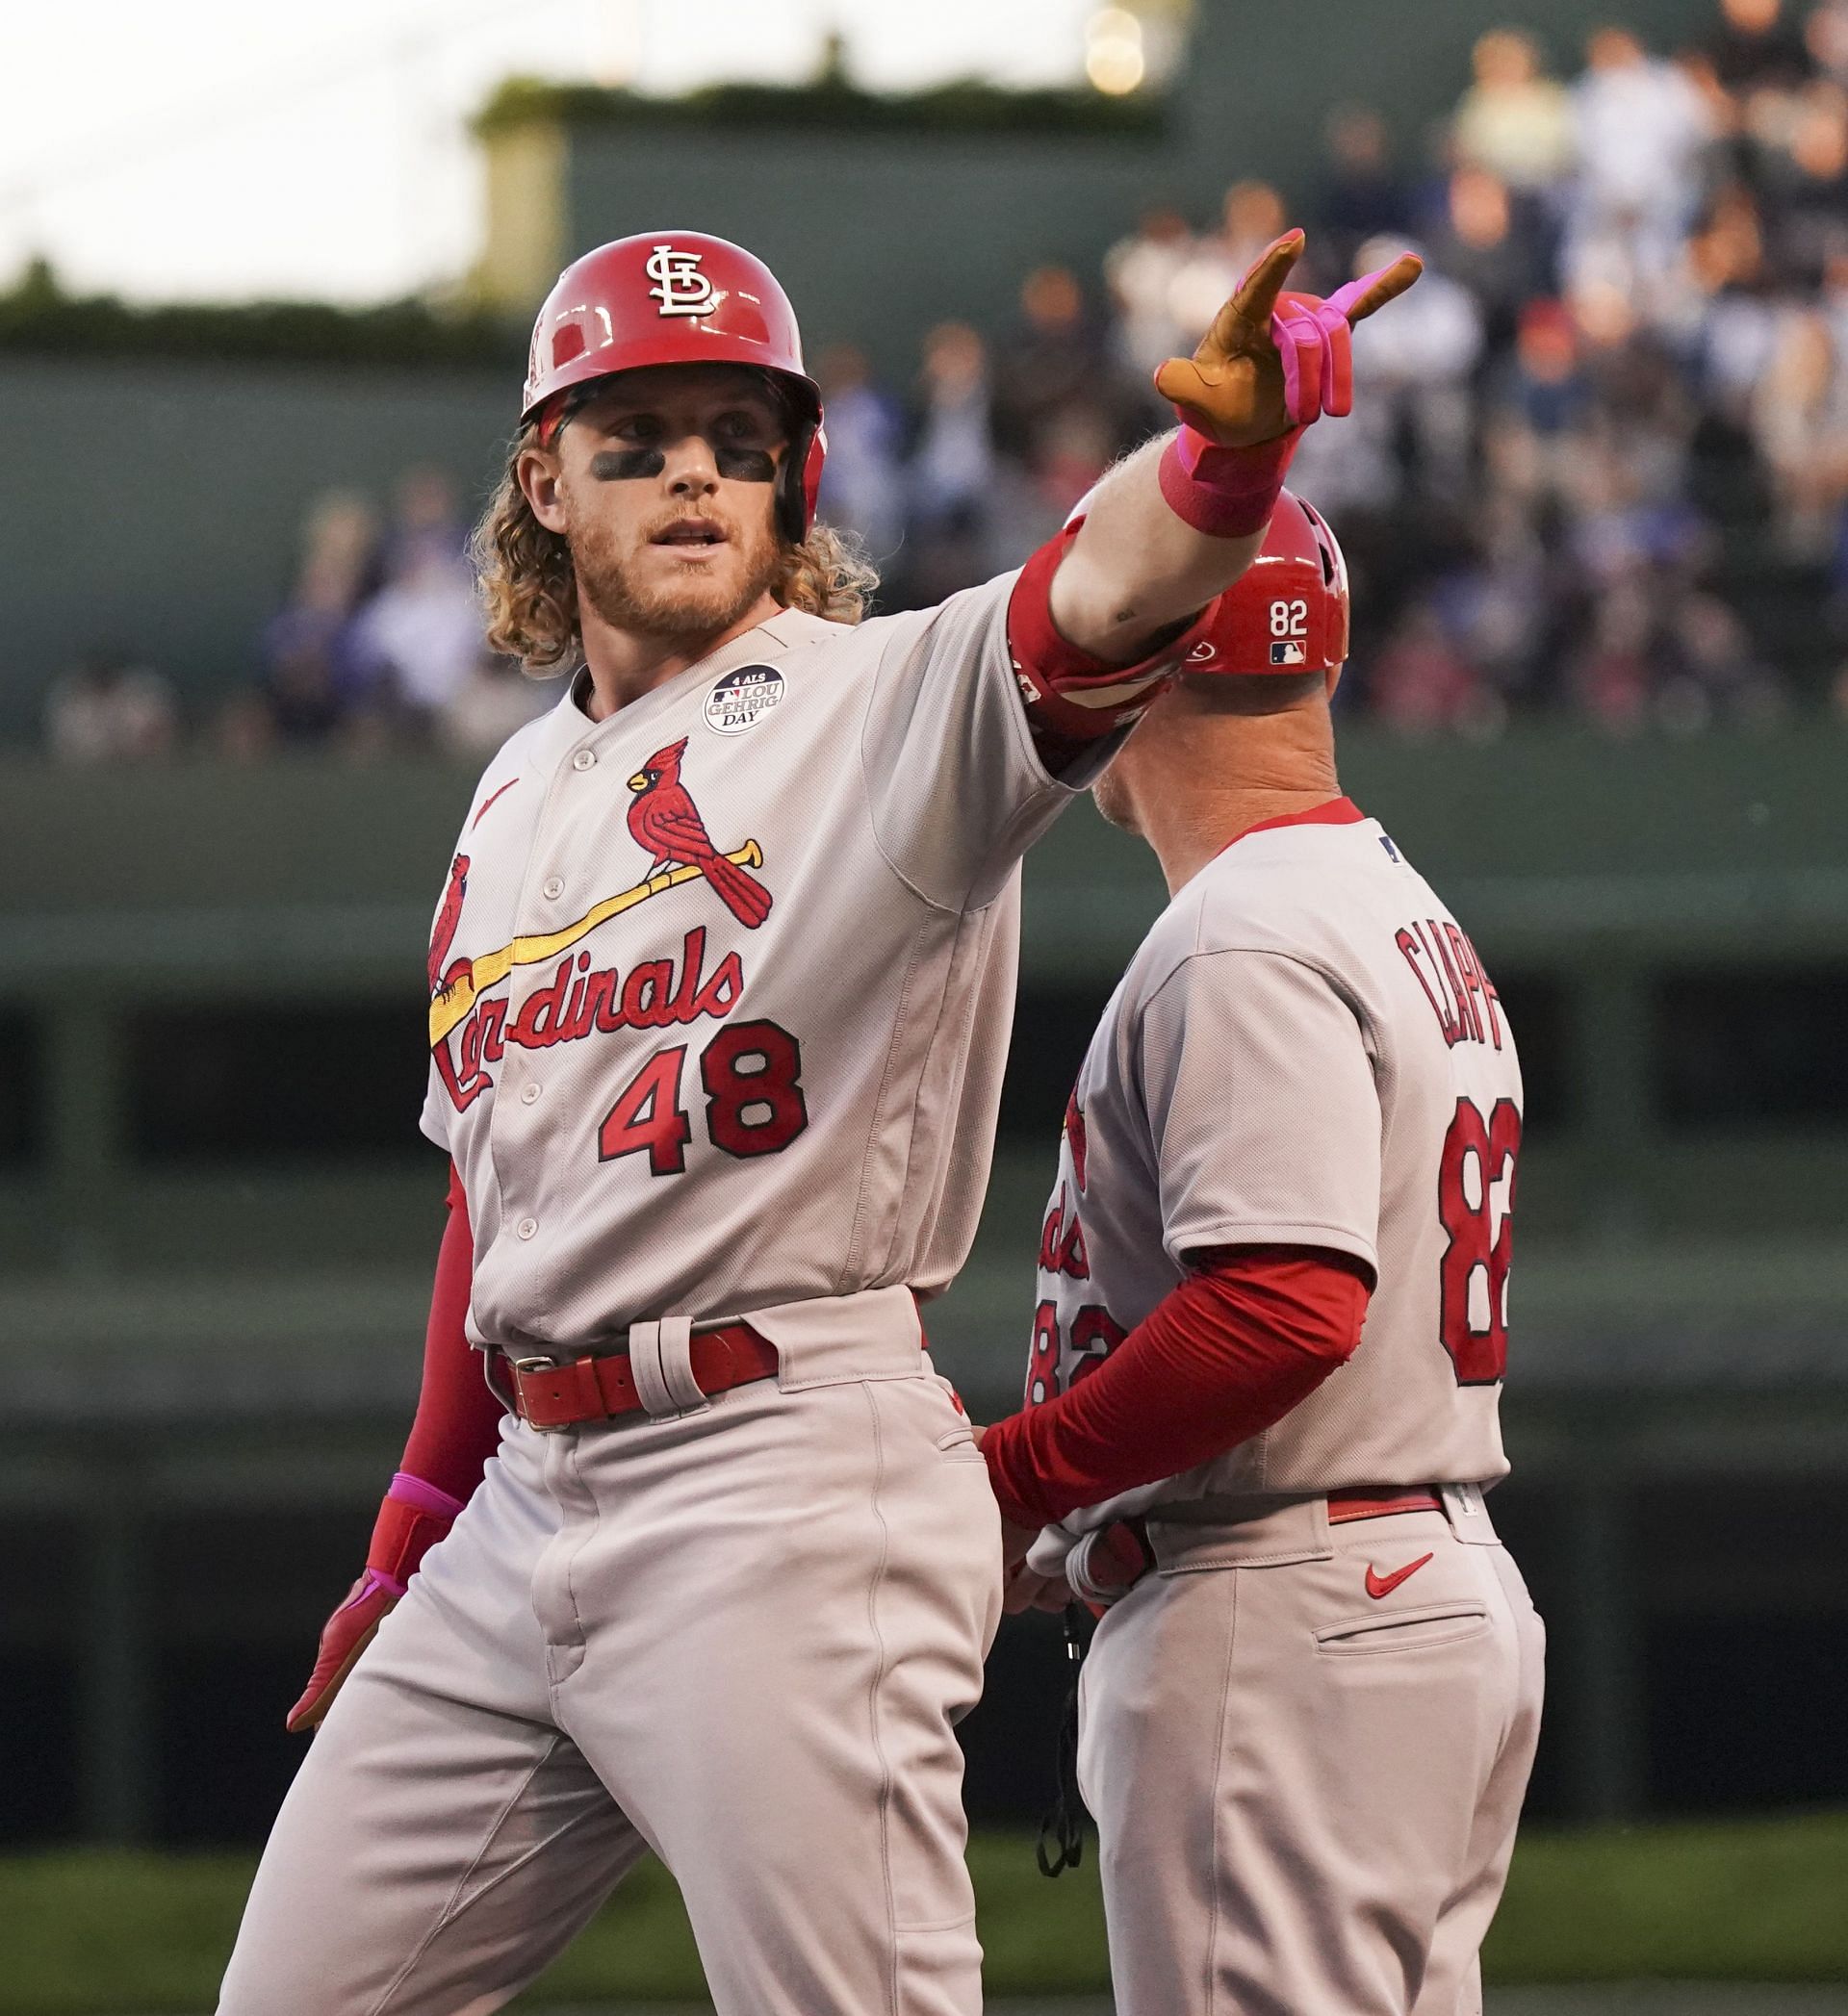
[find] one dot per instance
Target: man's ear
(537, 474)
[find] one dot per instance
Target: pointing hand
(1273, 361)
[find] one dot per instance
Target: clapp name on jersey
(1455, 981)
(653, 994)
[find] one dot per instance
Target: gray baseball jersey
(721, 986)
(1304, 1052)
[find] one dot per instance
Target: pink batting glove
(1314, 339)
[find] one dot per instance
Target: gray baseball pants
(1307, 1795)
(740, 1637)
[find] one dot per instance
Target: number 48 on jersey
(752, 1074)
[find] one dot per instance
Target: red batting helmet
(680, 297)
(1288, 611)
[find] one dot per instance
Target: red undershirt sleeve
(458, 1418)
(1249, 1333)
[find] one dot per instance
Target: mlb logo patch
(1288, 653)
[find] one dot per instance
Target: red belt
(1365, 1503)
(603, 1388)
(1125, 1543)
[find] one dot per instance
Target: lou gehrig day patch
(743, 698)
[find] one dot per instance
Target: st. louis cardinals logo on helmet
(681, 287)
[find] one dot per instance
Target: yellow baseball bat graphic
(450, 1009)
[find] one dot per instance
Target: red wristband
(413, 1517)
(1224, 492)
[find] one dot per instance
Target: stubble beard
(670, 611)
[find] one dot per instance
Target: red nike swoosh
(1379, 1585)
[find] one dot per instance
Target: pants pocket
(959, 1441)
(1401, 1631)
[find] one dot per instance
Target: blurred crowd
(377, 647)
(1599, 456)
(1597, 469)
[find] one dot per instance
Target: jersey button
(554, 889)
(528, 1094)
(526, 1227)
(583, 760)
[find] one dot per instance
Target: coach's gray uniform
(738, 1631)
(1305, 1742)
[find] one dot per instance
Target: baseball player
(720, 986)
(1266, 1357)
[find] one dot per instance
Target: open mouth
(692, 532)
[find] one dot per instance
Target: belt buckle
(534, 1366)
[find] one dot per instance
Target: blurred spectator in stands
(863, 487)
(1713, 671)
(419, 637)
(1496, 253)
(1642, 129)
(1733, 315)
(494, 699)
(1050, 363)
(317, 684)
(1515, 121)
(1753, 70)
(1644, 414)
(1825, 39)
(1613, 676)
(428, 524)
(1627, 516)
(1539, 409)
(1074, 450)
(1804, 179)
(1362, 196)
(1800, 420)
(1755, 48)
(1251, 217)
(110, 711)
(1142, 272)
(1502, 608)
(951, 471)
(1419, 370)
(1421, 682)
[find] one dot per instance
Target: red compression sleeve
(1219, 1359)
(458, 1420)
(1072, 697)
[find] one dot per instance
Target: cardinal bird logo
(664, 820)
(443, 935)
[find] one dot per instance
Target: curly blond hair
(527, 584)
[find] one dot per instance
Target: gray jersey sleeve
(1262, 1106)
(957, 787)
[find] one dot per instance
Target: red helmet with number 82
(680, 297)
(1288, 611)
